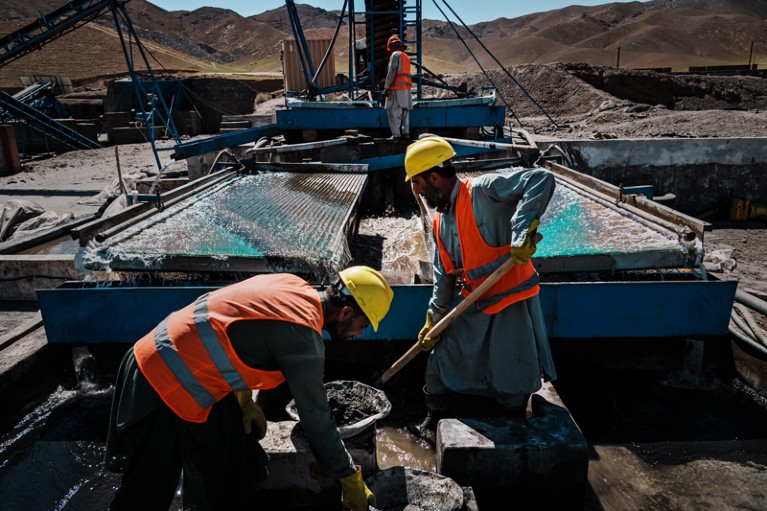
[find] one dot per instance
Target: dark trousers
(220, 463)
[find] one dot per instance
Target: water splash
(574, 224)
(277, 216)
(397, 244)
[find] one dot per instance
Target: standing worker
(397, 89)
(498, 348)
(183, 393)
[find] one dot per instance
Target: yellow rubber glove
(523, 254)
(427, 344)
(355, 495)
(251, 414)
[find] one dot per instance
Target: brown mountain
(659, 33)
(311, 17)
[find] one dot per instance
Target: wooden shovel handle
(449, 318)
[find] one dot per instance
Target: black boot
(436, 408)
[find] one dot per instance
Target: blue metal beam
(375, 118)
(398, 160)
(116, 314)
(220, 142)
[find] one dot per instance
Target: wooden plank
(17, 245)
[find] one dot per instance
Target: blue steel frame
(75, 14)
(118, 11)
(405, 22)
(375, 118)
(123, 314)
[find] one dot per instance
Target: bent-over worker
(397, 87)
(498, 348)
(183, 393)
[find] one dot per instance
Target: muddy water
(53, 458)
(397, 447)
(662, 442)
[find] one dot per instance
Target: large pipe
(742, 325)
(298, 147)
(744, 338)
(498, 146)
(751, 301)
(759, 334)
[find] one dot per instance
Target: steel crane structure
(76, 13)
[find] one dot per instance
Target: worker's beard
(340, 330)
(435, 199)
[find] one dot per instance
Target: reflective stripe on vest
(480, 260)
(189, 359)
(402, 80)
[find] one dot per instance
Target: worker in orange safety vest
(397, 89)
(498, 348)
(183, 396)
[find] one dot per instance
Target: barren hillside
(660, 33)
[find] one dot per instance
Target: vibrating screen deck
(302, 223)
(266, 222)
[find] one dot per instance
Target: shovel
(449, 318)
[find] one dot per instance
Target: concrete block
(21, 275)
(520, 456)
(187, 122)
(293, 476)
(134, 135)
(240, 124)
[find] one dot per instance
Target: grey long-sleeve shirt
(299, 352)
(504, 207)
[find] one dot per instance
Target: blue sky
(470, 11)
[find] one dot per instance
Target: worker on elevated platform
(397, 87)
(183, 394)
(498, 348)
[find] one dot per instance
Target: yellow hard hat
(370, 290)
(426, 153)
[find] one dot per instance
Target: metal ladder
(410, 23)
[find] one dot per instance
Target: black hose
(332, 42)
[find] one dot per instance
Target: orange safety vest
(402, 80)
(189, 359)
(480, 260)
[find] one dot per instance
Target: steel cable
(476, 60)
(499, 63)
